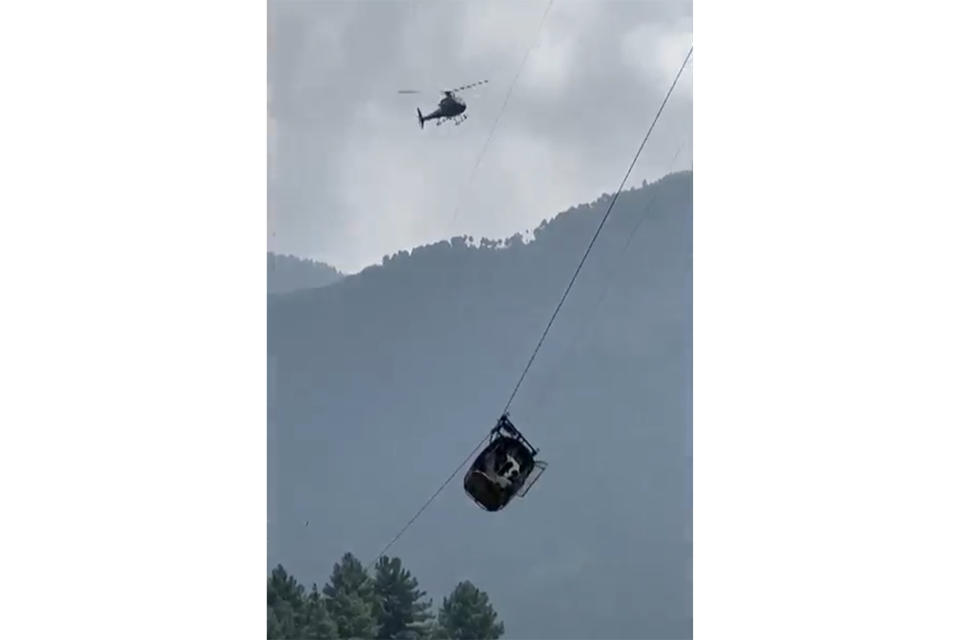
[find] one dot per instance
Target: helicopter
(451, 107)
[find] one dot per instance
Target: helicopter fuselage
(451, 107)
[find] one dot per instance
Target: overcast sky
(353, 178)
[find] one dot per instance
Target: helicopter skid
(454, 119)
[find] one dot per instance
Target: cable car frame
(506, 468)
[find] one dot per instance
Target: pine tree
(468, 615)
(317, 623)
(351, 599)
(285, 605)
(399, 610)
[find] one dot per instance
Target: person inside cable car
(502, 468)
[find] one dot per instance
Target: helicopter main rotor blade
(409, 91)
(467, 86)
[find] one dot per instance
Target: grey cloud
(352, 177)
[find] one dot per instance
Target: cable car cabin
(504, 469)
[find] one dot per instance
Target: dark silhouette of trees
(290, 273)
(317, 622)
(285, 605)
(351, 599)
(468, 615)
(388, 606)
(400, 609)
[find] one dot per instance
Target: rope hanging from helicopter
(553, 317)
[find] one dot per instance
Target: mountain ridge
(286, 273)
(380, 383)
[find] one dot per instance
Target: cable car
(505, 468)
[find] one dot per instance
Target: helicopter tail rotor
(420, 117)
